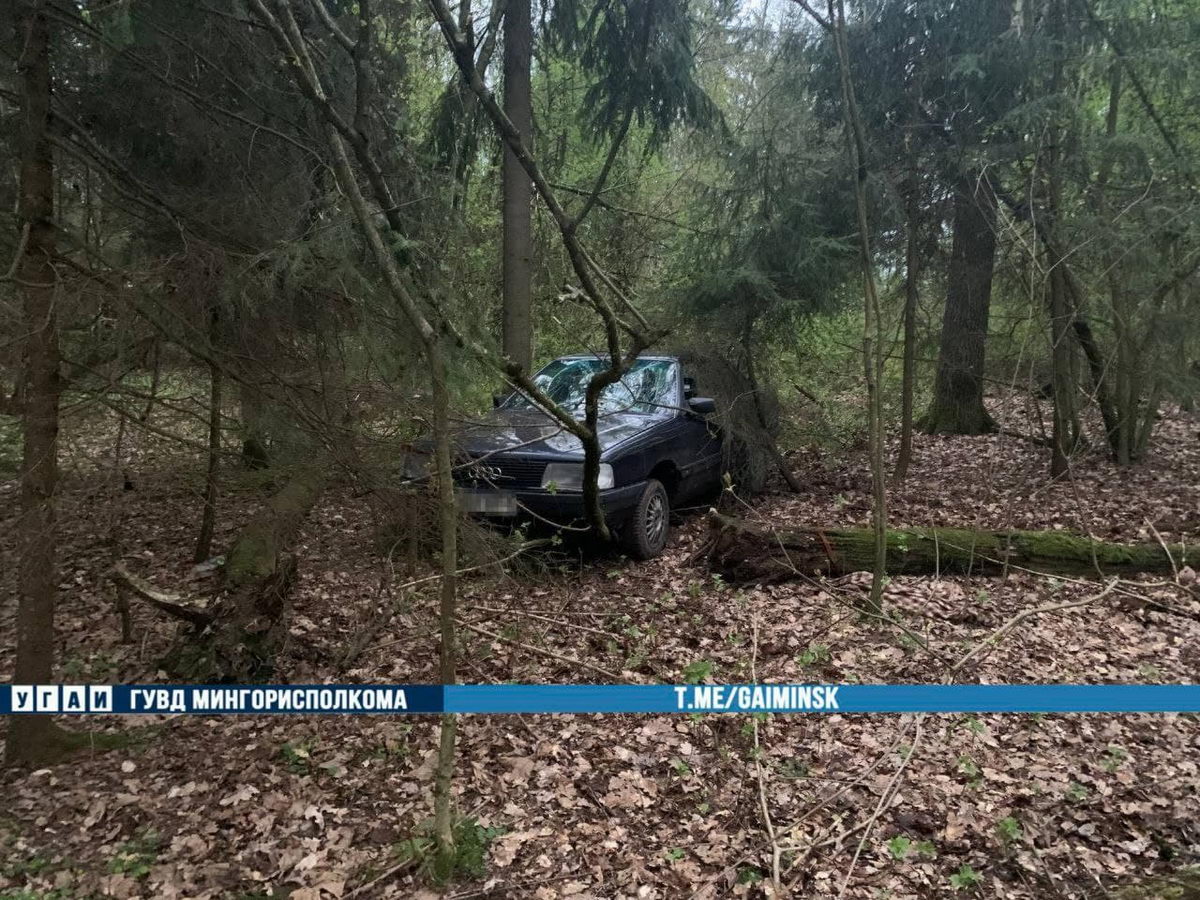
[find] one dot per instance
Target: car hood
(533, 431)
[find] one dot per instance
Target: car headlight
(569, 477)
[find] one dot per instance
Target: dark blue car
(659, 450)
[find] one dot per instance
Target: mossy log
(742, 552)
(250, 617)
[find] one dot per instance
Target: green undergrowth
(419, 852)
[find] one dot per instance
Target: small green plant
(1077, 792)
(31, 866)
(1114, 756)
(965, 878)
(908, 642)
(814, 654)
(974, 725)
(1150, 672)
(793, 768)
(297, 757)
(695, 589)
(680, 768)
(471, 841)
(696, 672)
(675, 853)
(749, 875)
(135, 858)
(926, 849)
(966, 766)
(1009, 830)
(748, 725)
(899, 846)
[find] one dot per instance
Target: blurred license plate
(491, 503)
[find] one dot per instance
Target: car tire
(645, 534)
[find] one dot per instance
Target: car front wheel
(645, 535)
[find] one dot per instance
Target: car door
(699, 458)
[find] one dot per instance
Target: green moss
(961, 550)
(1181, 885)
(252, 557)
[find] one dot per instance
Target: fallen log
(742, 552)
(236, 636)
(172, 604)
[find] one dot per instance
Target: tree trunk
(250, 618)
(958, 390)
(36, 739)
(208, 518)
(781, 463)
(1062, 438)
(912, 273)
(743, 553)
(448, 599)
(873, 333)
(518, 189)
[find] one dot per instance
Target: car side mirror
(497, 399)
(704, 406)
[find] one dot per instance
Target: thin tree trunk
(912, 274)
(872, 321)
(781, 463)
(156, 375)
(36, 739)
(212, 473)
(1064, 386)
(957, 406)
(517, 207)
(1061, 311)
(443, 815)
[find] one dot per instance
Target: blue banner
(405, 699)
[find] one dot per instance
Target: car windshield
(647, 387)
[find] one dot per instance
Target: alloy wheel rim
(656, 520)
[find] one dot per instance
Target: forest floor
(635, 806)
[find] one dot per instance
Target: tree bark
(517, 206)
(1063, 437)
(873, 333)
(208, 519)
(743, 553)
(36, 739)
(912, 274)
(957, 406)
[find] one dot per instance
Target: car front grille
(500, 472)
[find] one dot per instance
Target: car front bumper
(559, 507)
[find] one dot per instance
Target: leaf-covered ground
(636, 806)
